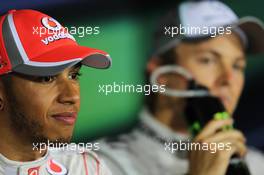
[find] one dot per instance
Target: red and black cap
(26, 49)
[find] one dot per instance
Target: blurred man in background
(214, 55)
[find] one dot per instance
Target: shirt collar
(159, 129)
(9, 162)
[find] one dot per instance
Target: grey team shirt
(57, 162)
(141, 152)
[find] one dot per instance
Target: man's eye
(74, 76)
(239, 67)
(206, 60)
(47, 79)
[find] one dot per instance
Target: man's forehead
(212, 45)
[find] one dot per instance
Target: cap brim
(62, 57)
(254, 31)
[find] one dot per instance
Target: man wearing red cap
(40, 96)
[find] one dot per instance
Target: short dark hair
(6, 79)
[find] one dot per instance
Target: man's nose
(68, 92)
(226, 75)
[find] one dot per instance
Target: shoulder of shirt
(255, 159)
(120, 141)
(254, 153)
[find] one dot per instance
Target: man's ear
(152, 64)
(2, 91)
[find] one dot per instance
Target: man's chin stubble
(32, 130)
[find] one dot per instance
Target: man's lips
(68, 118)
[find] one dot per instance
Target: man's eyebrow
(211, 51)
(76, 67)
(239, 58)
(215, 53)
(242, 58)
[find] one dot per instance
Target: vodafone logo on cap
(55, 168)
(56, 32)
(51, 23)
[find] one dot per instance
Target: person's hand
(204, 162)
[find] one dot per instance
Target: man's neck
(172, 119)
